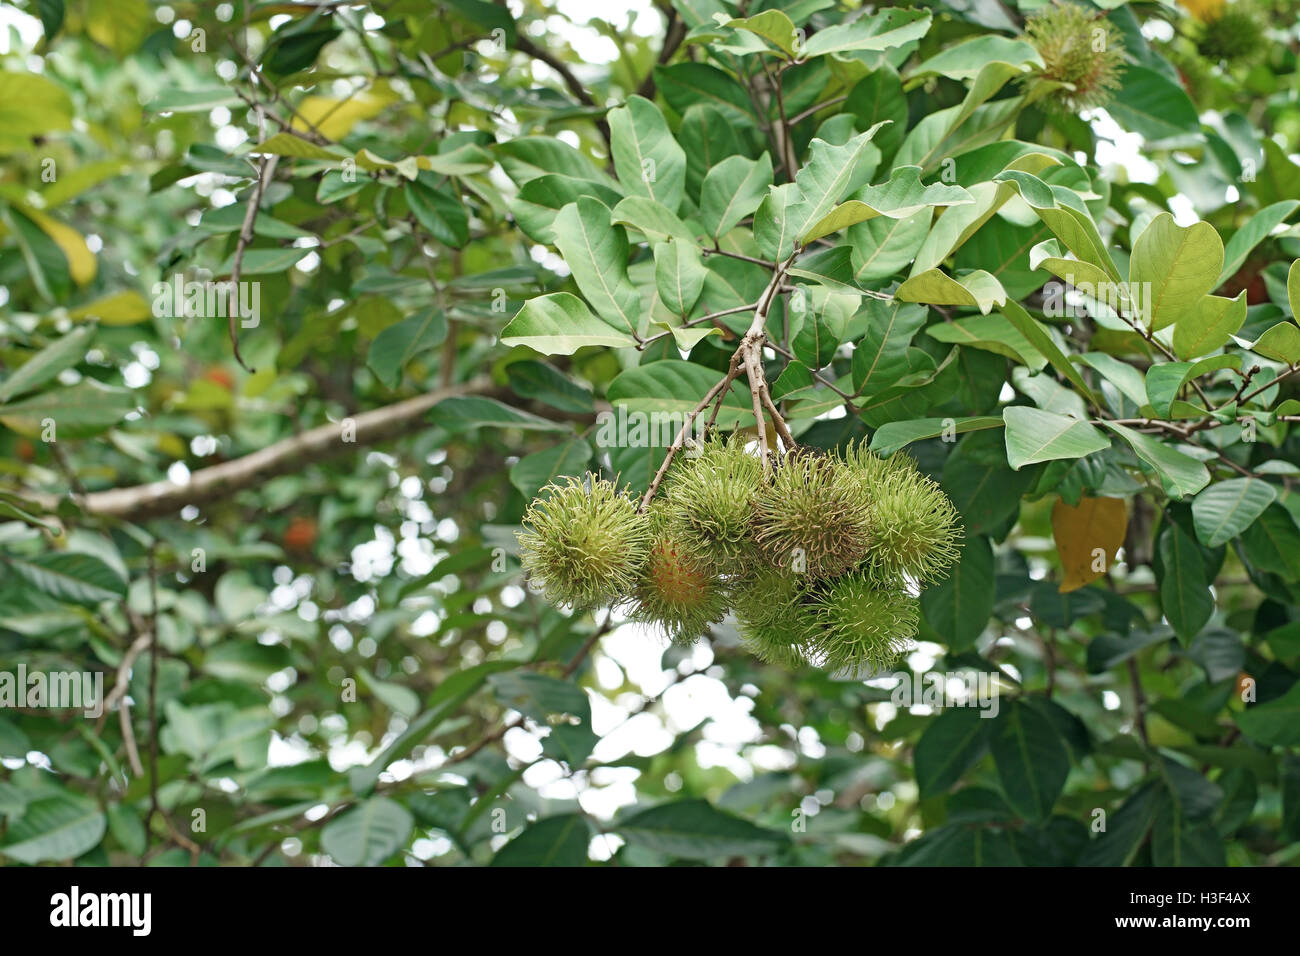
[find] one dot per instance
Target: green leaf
(1280, 343)
(978, 288)
(648, 160)
(60, 354)
(994, 333)
(1150, 103)
(673, 388)
(732, 190)
(439, 213)
(883, 246)
(547, 384)
(774, 26)
(1033, 435)
(900, 197)
(880, 356)
(401, 342)
(951, 744)
(1037, 336)
(963, 61)
(62, 826)
(541, 198)
(1227, 508)
(1180, 475)
(1208, 325)
(560, 324)
(1184, 585)
(368, 834)
(553, 841)
(1031, 759)
(539, 696)
(1067, 217)
(695, 830)
(69, 576)
(959, 607)
(1255, 231)
(1272, 543)
(462, 412)
(890, 437)
(883, 30)
(789, 212)
(679, 275)
(1174, 267)
(597, 252)
(1275, 723)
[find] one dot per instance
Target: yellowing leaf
(120, 308)
(1204, 10)
(82, 265)
(1087, 538)
(334, 118)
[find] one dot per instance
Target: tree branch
(289, 454)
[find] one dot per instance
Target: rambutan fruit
(813, 517)
(584, 542)
(862, 627)
(676, 593)
(916, 531)
(708, 502)
(775, 616)
(1079, 47)
(1234, 36)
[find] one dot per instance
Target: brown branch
(287, 455)
(575, 85)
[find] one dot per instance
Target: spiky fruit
(1234, 37)
(916, 530)
(863, 627)
(813, 517)
(708, 501)
(775, 616)
(584, 542)
(676, 593)
(1078, 47)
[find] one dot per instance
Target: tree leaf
(958, 607)
(1173, 267)
(61, 826)
(368, 834)
(69, 576)
(1095, 524)
(950, 745)
(1179, 474)
(732, 190)
(1227, 508)
(648, 160)
(679, 275)
(62, 353)
(554, 841)
(401, 342)
(695, 830)
(1033, 435)
(597, 252)
(1184, 586)
(1208, 325)
(1031, 758)
(560, 324)
(890, 437)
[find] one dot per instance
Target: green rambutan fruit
(676, 592)
(708, 502)
(863, 627)
(1235, 36)
(916, 529)
(584, 542)
(775, 616)
(1080, 47)
(813, 516)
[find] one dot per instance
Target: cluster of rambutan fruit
(820, 557)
